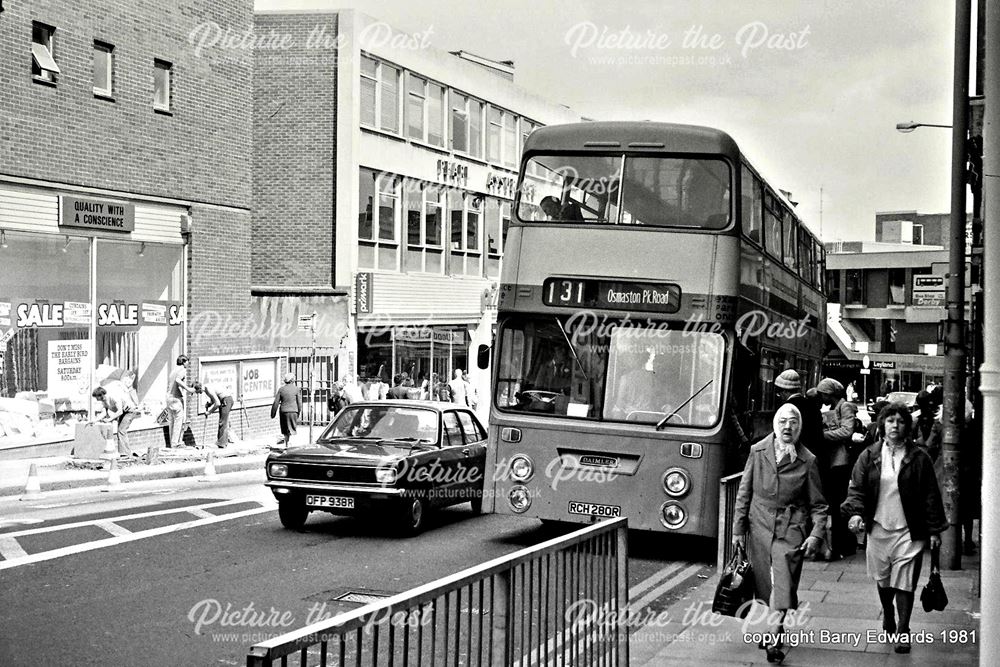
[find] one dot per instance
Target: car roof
(410, 403)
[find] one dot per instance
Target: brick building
(384, 171)
(124, 211)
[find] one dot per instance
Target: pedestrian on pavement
(894, 496)
(220, 400)
(779, 497)
(398, 390)
(458, 391)
(177, 387)
(288, 405)
(927, 432)
(471, 395)
(838, 433)
(119, 410)
(788, 389)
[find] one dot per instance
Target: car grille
(341, 474)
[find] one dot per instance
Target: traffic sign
(306, 323)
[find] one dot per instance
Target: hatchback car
(395, 459)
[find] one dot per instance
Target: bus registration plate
(330, 501)
(594, 509)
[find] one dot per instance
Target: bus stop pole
(312, 390)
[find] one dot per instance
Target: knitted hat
(830, 387)
(788, 380)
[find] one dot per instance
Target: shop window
(369, 88)
(854, 287)
(104, 69)
(897, 287)
(416, 103)
(435, 114)
(465, 255)
(423, 224)
(162, 85)
(473, 215)
(380, 95)
(475, 128)
(43, 62)
(389, 98)
(414, 233)
(459, 122)
(377, 241)
(494, 135)
(494, 239)
(510, 152)
(918, 234)
(833, 286)
(433, 254)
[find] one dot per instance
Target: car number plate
(594, 509)
(330, 501)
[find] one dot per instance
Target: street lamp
(911, 126)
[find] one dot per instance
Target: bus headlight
(676, 482)
(519, 499)
(672, 515)
(278, 470)
(521, 468)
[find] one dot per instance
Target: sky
(811, 91)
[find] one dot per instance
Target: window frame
(380, 83)
(411, 95)
(47, 72)
(379, 246)
(166, 66)
(109, 49)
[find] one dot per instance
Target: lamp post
(906, 128)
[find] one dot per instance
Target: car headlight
(672, 515)
(519, 499)
(385, 475)
(521, 468)
(278, 470)
(676, 482)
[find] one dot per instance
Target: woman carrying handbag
(894, 495)
(779, 496)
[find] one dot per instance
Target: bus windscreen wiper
(572, 350)
(663, 422)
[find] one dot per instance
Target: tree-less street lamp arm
(911, 126)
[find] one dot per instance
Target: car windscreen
(383, 422)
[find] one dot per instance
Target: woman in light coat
(779, 498)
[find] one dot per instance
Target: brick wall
(294, 131)
(66, 134)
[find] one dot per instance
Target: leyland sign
(101, 214)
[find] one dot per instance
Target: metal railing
(728, 486)
(562, 602)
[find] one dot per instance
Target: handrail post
(499, 612)
(623, 611)
(720, 551)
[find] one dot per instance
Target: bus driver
(642, 391)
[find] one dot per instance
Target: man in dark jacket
(838, 435)
(287, 403)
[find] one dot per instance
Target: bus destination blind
(611, 295)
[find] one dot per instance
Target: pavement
(58, 473)
(838, 608)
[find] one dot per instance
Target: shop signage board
(100, 214)
(4, 313)
(76, 312)
(259, 379)
(154, 313)
(884, 365)
(363, 293)
(254, 380)
(69, 369)
(222, 376)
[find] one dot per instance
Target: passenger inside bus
(569, 212)
(642, 393)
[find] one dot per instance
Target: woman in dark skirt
(779, 497)
(894, 495)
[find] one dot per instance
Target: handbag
(736, 587)
(933, 597)
(163, 419)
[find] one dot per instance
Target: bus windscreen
(619, 371)
(649, 191)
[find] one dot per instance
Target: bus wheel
(293, 515)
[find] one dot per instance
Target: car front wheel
(292, 514)
(414, 516)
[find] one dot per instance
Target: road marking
(197, 511)
(114, 541)
(113, 528)
(636, 607)
(142, 515)
(10, 549)
(658, 576)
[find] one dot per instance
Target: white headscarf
(780, 448)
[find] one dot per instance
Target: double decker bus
(653, 286)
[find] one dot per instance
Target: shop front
(417, 353)
(92, 293)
